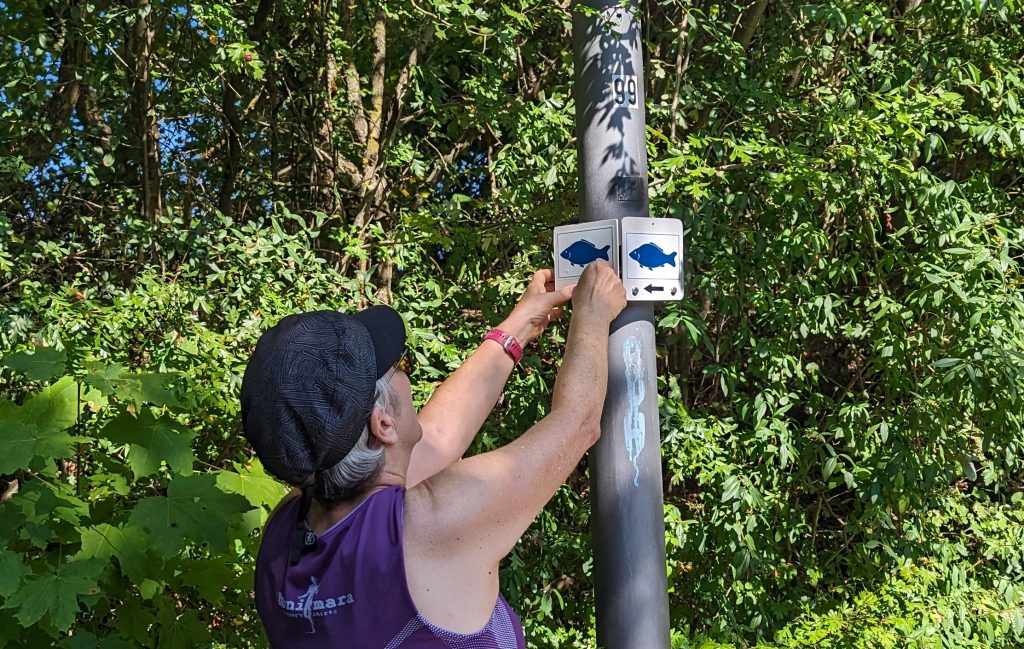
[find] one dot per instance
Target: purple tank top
(351, 591)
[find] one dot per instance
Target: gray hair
(362, 464)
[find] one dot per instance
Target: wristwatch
(508, 342)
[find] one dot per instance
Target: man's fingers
(542, 278)
(558, 298)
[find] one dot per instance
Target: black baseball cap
(309, 388)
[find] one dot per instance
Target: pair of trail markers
(646, 253)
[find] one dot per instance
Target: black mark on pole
(628, 189)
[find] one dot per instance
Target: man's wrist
(509, 344)
(593, 316)
(521, 332)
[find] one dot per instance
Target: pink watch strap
(507, 342)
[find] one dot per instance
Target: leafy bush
(841, 396)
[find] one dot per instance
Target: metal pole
(628, 511)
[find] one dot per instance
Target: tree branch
(355, 102)
(376, 92)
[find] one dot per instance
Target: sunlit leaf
(152, 440)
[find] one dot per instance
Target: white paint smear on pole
(634, 424)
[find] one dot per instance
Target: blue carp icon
(583, 252)
(649, 255)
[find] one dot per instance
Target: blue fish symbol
(649, 255)
(583, 252)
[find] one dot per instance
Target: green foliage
(842, 396)
(64, 529)
(41, 365)
(37, 429)
(151, 441)
(55, 595)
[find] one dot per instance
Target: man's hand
(459, 406)
(540, 305)
(599, 294)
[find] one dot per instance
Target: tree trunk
(233, 150)
(142, 112)
(233, 123)
(39, 146)
(751, 21)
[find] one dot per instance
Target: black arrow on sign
(650, 288)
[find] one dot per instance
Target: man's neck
(322, 516)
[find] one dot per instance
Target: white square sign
(575, 246)
(652, 259)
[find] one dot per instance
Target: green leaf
(10, 629)
(52, 513)
(43, 364)
(193, 511)
(12, 519)
(149, 588)
(55, 407)
(127, 543)
(551, 177)
(208, 576)
(849, 480)
(253, 483)
(104, 377)
(25, 442)
(135, 619)
(521, 18)
(55, 595)
(37, 428)
(152, 440)
(184, 631)
(730, 489)
(12, 569)
(830, 467)
(114, 380)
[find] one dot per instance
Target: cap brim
(388, 333)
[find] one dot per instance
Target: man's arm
(466, 518)
(459, 406)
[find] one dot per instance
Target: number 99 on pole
(625, 91)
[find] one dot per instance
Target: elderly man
(394, 541)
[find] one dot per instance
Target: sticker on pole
(652, 259)
(575, 246)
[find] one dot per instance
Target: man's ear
(382, 426)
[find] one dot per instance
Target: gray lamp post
(628, 509)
